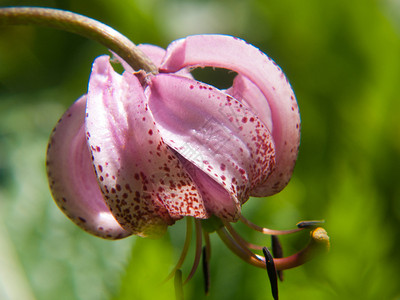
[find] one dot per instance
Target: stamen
(266, 230)
(178, 285)
(242, 252)
(206, 261)
(270, 265)
(277, 251)
(206, 271)
(198, 250)
(207, 243)
(310, 224)
(184, 250)
(239, 239)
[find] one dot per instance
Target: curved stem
(80, 25)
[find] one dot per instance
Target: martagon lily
(142, 150)
(139, 152)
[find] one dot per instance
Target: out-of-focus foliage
(343, 60)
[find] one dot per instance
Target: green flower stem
(81, 25)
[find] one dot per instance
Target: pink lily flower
(135, 154)
(141, 151)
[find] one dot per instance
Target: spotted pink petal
(235, 54)
(248, 93)
(72, 178)
(229, 146)
(145, 185)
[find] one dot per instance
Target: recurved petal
(144, 184)
(224, 140)
(248, 93)
(72, 179)
(235, 54)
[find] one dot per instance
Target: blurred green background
(343, 60)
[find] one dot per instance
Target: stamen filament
(239, 239)
(197, 256)
(178, 285)
(81, 25)
(243, 253)
(267, 230)
(184, 250)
